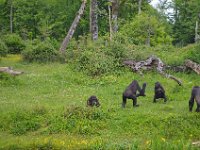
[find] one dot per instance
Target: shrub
(95, 63)
(3, 49)
(14, 43)
(96, 57)
(38, 51)
(194, 54)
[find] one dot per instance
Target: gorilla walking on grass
(93, 101)
(131, 93)
(159, 92)
(195, 95)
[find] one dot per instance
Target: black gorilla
(131, 93)
(159, 92)
(195, 95)
(93, 101)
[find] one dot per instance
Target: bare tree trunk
(93, 19)
(11, 17)
(110, 22)
(115, 11)
(196, 32)
(148, 40)
(73, 27)
(139, 6)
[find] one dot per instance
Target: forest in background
(41, 19)
(110, 31)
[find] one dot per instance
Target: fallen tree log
(176, 68)
(150, 63)
(10, 71)
(193, 65)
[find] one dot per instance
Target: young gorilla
(195, 95)
(93, 101)
(131, 93)
(159, 92)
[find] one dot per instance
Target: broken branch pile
(148, 64)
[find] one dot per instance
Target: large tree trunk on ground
(194, 66)
(10, 71)
(148, 64)
(115, 11)
(93, 19)
(73, 27)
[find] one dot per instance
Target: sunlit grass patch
(12, 58)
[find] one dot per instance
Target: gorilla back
(195, 95)
(131, 92)
(159, 92)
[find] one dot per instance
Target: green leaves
(138, 30)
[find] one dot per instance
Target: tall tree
(115, 12)
(110, 21)
(139, 6)
(11, 16)
(93, 19)
(73, 27)
(184, 21)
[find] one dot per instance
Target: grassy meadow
(45, 108)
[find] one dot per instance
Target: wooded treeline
(46, 18)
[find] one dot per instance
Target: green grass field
(45, 108)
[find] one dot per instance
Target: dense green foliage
(96, 58)
(194, 54)
(14, 43)
(3, 48)
(186, 13)
(37, 51)
(143, 26)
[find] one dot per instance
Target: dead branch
(148, 64)
(176, 68)
(193, 65)
(10, 71)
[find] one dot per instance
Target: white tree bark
(73, 27)
(194, 66)
(110, 22)
(197, 37)
(139, 6)
(93, 19)
(115, 11)
(149, 64)
(11, 17)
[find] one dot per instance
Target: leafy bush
(14, 43)
(3, 48)
(96, 58)
(95, 63)
(194, 54)
(38, 51)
